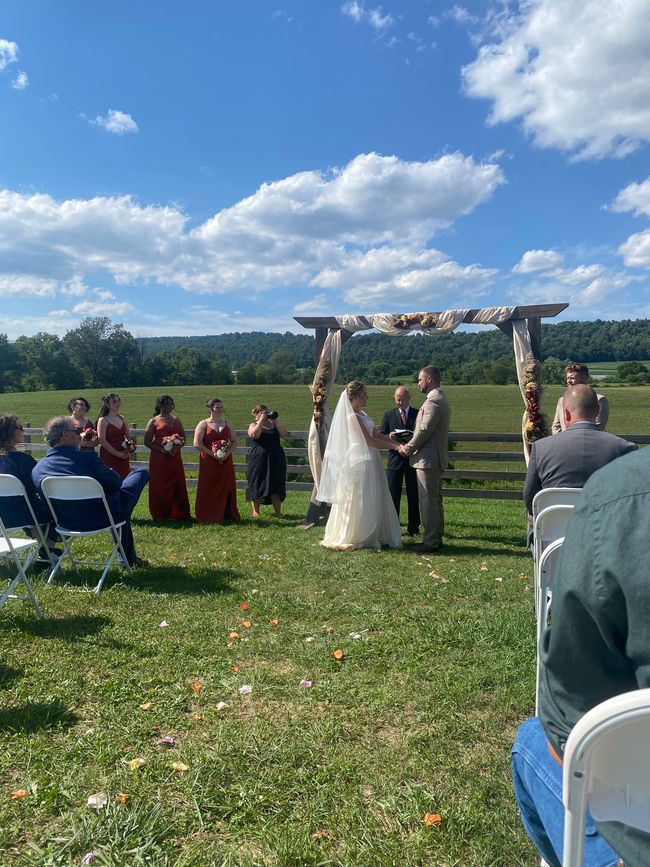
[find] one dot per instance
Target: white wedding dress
(354, 481)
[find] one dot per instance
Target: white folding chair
(20, 514)
(543, 590)
(22, 553)
(550, 524)
(554, 497)
(607, 769)
(79, 489)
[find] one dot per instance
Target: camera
(272, 414)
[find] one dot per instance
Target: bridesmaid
(113, 435)
(168, 498)
(216, 497)
(78, 407)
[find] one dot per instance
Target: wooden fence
(503, 450)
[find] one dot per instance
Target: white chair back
(607, 769)
(20, 552)
(554, 497)
(78, 489)
(546, 576)
(550, 524)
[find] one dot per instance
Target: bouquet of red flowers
(88, 434)
(220, 449)
(173, 444)
(128, 445)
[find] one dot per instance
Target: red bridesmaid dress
(168, 500)
(216, 496)
(116, 436)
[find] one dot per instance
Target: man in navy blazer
(403, 417)
(64, 458)
(567, 459)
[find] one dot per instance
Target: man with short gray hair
(569, 458)
(64, 458)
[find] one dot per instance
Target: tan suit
(427, 452)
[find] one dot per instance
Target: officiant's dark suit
(403, 417)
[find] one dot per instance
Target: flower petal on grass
(180, 767)
(134, 764)
(234, 669)
(222, 705)
(338, 655)
(233, 634)
(148, 705)
(274, 622)
(89, 857)
(17, 794)
(163, 623)
(167, 741)
(247, 624)
(98, 801)
(245, 689)
(196, 687)
(306, 684)
(431, 819)
(244, 606)
(309, 639)
(122, 798)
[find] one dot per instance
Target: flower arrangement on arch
(171, 445)
(409, 320)
(220, 450)
(536, 426)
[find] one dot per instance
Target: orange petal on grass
(247, 624)
(431, 819)
(17, 794)
(196, 687)
(234, 669)
(122, 798)
(338, 654)
(274, 622)
(244, 606)
(233, 635)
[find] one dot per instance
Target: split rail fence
(478, 451)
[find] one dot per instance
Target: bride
(353, 478)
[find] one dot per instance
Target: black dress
(266, 468)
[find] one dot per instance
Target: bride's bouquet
(173, 444)
(220, 449)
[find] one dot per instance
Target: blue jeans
(537, 780)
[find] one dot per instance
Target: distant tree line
(102, 354)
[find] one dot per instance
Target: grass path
(416, 718)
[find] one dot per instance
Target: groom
(427, 452)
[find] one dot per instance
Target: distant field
(607, 368)
(495, 408)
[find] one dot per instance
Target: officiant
(398, 424)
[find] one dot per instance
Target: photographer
(266, 465)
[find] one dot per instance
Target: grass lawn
(417, 717)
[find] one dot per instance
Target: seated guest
(597, 647)
(18, 464)
(64, 458)
(568, 459)
(578, 374)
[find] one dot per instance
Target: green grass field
(417, 717)
(474, 407)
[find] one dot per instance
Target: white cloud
(634, 197)
(369, 221)
(576, 74)
(21, 81)
(357, 12)
(8, 53)
(460, 15)
(102, 308)
(319, 304)
(538, 260)
(636, 250)
(117, 122)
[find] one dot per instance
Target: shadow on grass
(68, 628)
(9, 674)
(36, 716)
(175, 579)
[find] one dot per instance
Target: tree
(9, 365)
(44, 364)
(282, 366)
(106, 354)
(246, 374)
(632, 371)
(220, 373)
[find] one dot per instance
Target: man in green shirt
(598, 646)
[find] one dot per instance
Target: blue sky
(202, 167)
